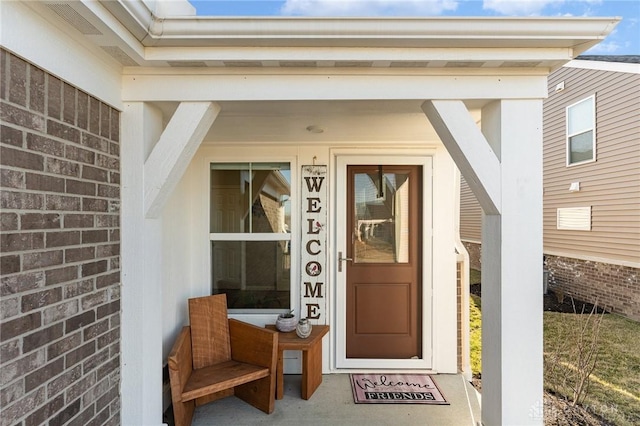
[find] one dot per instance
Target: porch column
(512, 341)
(503, 166)
(154, 160)
(141, 290)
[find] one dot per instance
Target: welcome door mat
(395, 389)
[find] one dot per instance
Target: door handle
(341, 259)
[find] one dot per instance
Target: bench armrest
(253, 345)
(180, 362)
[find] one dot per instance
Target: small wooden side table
(311, 348)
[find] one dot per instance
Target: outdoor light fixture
(575, 187)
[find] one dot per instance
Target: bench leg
(280, 376)
(183, 412)
(311, 369)
(259, 393)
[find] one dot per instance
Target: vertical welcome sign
(314, 243)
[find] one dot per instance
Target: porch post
(154, 159)
(503, 165)
(141, 285)
(512, 269)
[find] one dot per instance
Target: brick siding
(60, 251)
(616, 288)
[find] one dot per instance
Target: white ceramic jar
(303, 329)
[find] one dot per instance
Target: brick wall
(617, 288)
(60, 247)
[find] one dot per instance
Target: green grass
(475, 335)
(614, 386)
(474, 276)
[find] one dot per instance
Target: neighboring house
(591, 184)
(149, 157)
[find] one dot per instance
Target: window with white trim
(581, 131)
(250, 220)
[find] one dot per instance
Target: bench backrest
(210, 341)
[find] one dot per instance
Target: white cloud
(518, 7)
(604, 48)
(367, 7)
(529, 7)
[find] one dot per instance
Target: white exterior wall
(186, 249)
(182, 274)
(445, 332)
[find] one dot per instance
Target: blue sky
(625, 39)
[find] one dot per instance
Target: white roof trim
(578, 34)
(136, 36)
(165, 8)
(605, 66)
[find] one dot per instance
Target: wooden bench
(235, 359)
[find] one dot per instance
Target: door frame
(341, 159)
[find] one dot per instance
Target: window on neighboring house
(250, 220)
(581, 131)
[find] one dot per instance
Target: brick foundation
(617, 288)
(60, 245)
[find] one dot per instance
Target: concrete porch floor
(332, 404)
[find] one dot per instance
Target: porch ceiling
(340, 121)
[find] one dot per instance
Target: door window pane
(381, 217)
